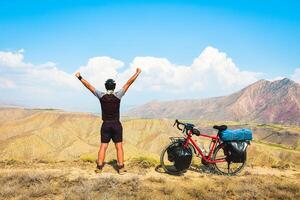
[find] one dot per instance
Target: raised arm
(132, 79)
(85, 83)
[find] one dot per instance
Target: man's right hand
(85, 83)
(77, 74)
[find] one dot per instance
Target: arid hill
(263, 102)
(28, 134)
(50, 154)
(58, 135)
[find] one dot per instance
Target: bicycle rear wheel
(226, 167)
(169, 166)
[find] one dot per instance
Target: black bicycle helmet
(110, 84)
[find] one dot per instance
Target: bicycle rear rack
(176, 139)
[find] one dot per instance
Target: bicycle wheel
(169, 166)
(226, 167)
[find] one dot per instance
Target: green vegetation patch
(91, 158)
(143, 162)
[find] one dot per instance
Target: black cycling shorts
(111, 130)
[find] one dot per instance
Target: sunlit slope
(63, 136)
(10, 114)
(48, 134)
(58, 135)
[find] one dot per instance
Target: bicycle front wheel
(226, 167)
(168, 164)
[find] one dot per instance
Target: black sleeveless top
(110, 106)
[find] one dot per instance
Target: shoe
(121, 169)
(99, 168)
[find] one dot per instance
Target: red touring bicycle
(217, 158)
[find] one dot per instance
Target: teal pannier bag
(236, 135)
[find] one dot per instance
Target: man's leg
(117, 139)
(101, 153)
(120, 153)
(120, 157)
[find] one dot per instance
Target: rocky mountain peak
(263, 101)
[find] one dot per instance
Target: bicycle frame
(214, 140)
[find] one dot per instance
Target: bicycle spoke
(225, 167)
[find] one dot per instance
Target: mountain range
(263, 101)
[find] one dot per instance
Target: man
(111, 127)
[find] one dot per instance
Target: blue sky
(259, 36)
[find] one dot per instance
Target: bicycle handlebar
(177, 123)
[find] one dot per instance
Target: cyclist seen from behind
(111, 127)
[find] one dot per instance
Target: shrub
(88, 158)
(167, 190)
(156, 179)
(143, 162)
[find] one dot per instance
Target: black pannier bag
(181, 156)
(171, 152)
(236, 151)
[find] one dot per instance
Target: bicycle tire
(216, 168)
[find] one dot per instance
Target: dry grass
(250, 187)
(156, 179)
(32, 185)
(49, 185)
(268, 156)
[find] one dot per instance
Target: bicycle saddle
(220, 128)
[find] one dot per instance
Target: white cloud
(13, 59)
(212, 70)
(220, 68)
(7, 84)
(46, 73)
(212, 73)
(157, 73)
(296, 75)
(99, 69)
(51, 75)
